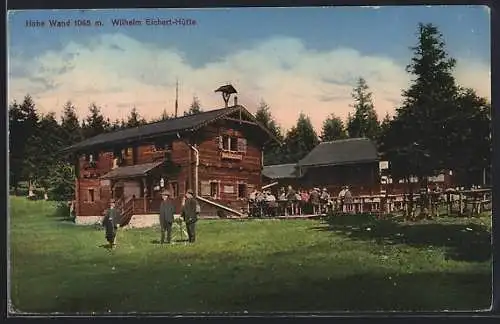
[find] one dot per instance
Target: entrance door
(118, 192)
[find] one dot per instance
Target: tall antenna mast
(176, 96)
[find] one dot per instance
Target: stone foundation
(141, 221)
(137, 221)
(87, 220)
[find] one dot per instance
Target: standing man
(341, 199)
(110, 223)
(167, 211)
(314, 199)
(190, 215)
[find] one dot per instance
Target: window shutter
(205, 188)
(242, 144)
(220, 142)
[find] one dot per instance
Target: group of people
(294, 202)
(190, 213)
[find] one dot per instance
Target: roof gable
(280, 171)
(348, 151)
(169, 126)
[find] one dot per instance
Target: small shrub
(62, 210)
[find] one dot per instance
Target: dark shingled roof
(280, 171)
(169, 126)
(348, 151)
(131, 171)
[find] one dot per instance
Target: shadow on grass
(148, 290)
(463, 242)
(370, 292)
(172, 242)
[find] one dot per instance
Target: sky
(295, 59)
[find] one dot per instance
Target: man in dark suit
(167, 210)
(190, 215)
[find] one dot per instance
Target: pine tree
(30, 134)
(134, 119)
(16, 145)
(70, 125)
(194, 108)
(300, 140)
(417, 140)
(116, 125)
(165, 115)
(469, 141)
(50, 141)
(95, 123)
(417, 136)
(273, 153)
(364, 123)
(333, 129)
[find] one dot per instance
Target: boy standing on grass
(110, 224)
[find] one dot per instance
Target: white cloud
(118, 72)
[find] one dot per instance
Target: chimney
(236, 100)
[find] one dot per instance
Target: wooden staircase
(126, 210)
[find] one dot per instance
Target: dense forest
(439, 126)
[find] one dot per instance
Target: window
(157, 147)
(242, 145)
(205, 188)
(225, 144)
(214, 189)
(232, 144)
(92, 157)
(162, 146)
(175, 189)
(135, 154)
(242, 190)
(91, 195)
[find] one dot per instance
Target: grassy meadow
(341, 263)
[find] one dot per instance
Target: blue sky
(296, 59)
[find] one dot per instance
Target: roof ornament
(226, 90)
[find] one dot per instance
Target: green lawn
(347, 263)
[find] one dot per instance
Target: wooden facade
(362, 178)
(222, 153)
(332, 165)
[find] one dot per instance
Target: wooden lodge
(217, 154)
(353, 162)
